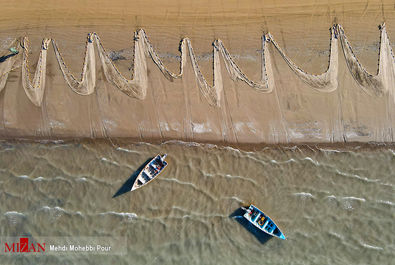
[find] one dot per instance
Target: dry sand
(292, 113)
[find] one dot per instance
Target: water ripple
(370, 246)
(194, 187)
(109, 161)
(128, 216)
(390, 203)
(314, 162)
(356, 176)
(14, 217)
(354, 199)
(228, 176)
(304, 194)
(127, 150)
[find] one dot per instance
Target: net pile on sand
(377, 85)
(384, 80)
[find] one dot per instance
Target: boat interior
(264, 222)
(151, 171)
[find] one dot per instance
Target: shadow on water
(261, 236)
(127, 186)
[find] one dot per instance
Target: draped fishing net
(88, 75)
(136, 87)
(326, 82)
(384, 80)
(34, 88)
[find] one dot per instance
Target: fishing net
(34, 88)
(88, 74)
(136, 87)
(384, 80)
(326, 82)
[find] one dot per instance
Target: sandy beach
(293, 112)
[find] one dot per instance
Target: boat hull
(150, 171)
(263, 222)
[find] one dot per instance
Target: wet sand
(292, 113)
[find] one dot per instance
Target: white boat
(150, 171)
(262, 222)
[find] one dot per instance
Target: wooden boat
(150, 171)
(262, 221)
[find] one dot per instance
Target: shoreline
(118, 142)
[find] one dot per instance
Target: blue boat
(262, 222)
(150, 171)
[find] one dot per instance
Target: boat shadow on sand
(261, 236)
(127, 186)
(5, 57)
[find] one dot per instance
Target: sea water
(335, 205)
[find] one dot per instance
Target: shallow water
(336, 206)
